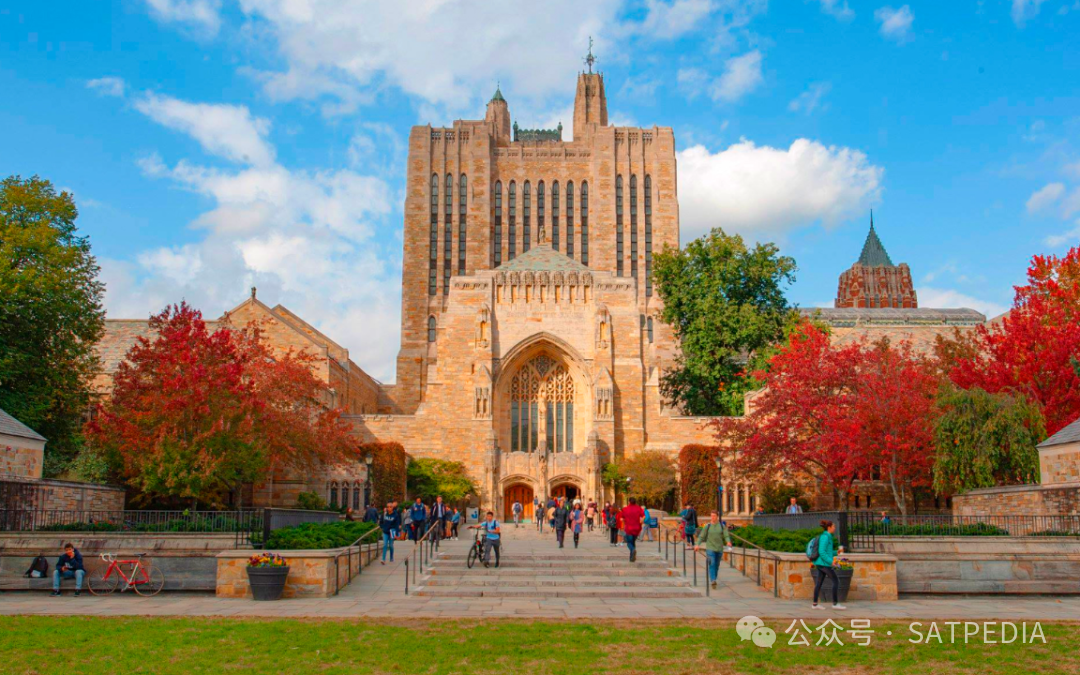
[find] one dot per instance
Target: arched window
(433, 256)
(448, 234)
(496, 240)
(633, 225)
(618, 226)
(431, 329)
(585, 224)
(648, 236)
(511, 239)
(463, 203)
(570, 219)
(542, 384)
(555, 215)
(356, 496)
(526, 202)
(333, 495)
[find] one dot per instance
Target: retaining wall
(875, 576)
(312, 574)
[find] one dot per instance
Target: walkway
(571, 593)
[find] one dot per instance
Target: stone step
(505, 570)
(559, 592)
(594, 565)
(556, 582)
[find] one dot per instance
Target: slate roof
(893, 316)
(12, 427)
(544, 258)
(1070, 434)
(873, 252)
(498, 95)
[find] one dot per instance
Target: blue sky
(213, 145)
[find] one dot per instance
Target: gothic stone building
(528, 347)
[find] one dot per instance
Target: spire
(873, 252)
(498, 93)
(590, 59)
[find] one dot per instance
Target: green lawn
(88, 645)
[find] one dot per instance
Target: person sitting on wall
(69, 566)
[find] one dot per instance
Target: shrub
(429, 478)
(318, 535)
(310, 501)
(387, 472)
(652, 476)
(930, 530)
(784, 541)
(776, 497)
(697, 475)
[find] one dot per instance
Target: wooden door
(518, 493)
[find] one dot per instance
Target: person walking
(577, 522)
(646, 525)
(611, 518)
(417, 516)
(440, 516)
(590, 515)
(493, 535)
(371, 514)
(538, 514)
(455, 521)
(713, 538)
(390, 524)
(552, 505)
(690, 523)
(826, 550)
(517, 510)
(560, 520)
(632, 515)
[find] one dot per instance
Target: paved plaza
(538, 580)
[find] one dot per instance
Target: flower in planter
(843, 564)
(267, 559)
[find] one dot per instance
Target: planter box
(874, 576)
(267, 583)
(844, 578)
(312, 574)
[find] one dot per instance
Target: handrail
(776, 561)
(671, 537)
(347, 550)
(418, 550)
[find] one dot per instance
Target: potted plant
(844, 569)
(266, 575)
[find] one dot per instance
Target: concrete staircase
(534, 567)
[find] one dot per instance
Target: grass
(88, 645)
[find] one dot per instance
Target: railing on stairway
(426, 542)
(671, 553)
(348, 552)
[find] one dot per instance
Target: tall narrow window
(433, 255)
(463, 204)
(511, 239)
(570, 219)
(431, 329)
(648, 236)
(555, 215)
(540, 224)
(526, 198)
(633, 226)
(448, 234)
(649, 325)
(585, 224)
(618, 226)
(496, 240)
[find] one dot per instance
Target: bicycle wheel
(103, 583)
(472, 557)
(150, 584)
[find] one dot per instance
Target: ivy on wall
(387, 472)
(697, 475)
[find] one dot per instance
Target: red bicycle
(146, 579)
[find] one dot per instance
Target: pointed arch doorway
(517, 492)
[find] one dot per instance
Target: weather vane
(590, 59)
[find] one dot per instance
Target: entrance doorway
(518, 493)
(567, 490)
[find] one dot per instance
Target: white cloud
(766, 191)
(1071, 237)
(1044, 197)
(1074, 168)
(229, 131)
(667, 20)
(895, 23)
(742, 74)
(945, 298)
(1070, 206)
(305, 238)
(1022, 10)
(107, 86)
(809, 101)
(838, 9)
(203, 15)
(691, 82)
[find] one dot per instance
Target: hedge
(783, 541)
(319, 535)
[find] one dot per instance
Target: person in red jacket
(632, 514)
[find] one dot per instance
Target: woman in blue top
(455, 521)
(824, 564)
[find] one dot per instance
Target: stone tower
(874, 281)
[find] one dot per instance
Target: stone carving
(483, 325)
(603, 327)
(603, 389)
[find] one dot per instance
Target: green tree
(652, 476)
(726, 304)
(985, 439)
(776, 497)
(429, 478)
(50, 315)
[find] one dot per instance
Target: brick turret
(874, 281)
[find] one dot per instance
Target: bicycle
(476, 551)
(147, 580)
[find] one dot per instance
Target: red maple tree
(194, 413)
(1035, 348)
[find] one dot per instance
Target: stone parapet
(1019, 500)
(312, 574)
(790, 573)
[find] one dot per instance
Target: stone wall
(985, 564)
(60, 495)
(1060, 464)
(21, 457)
(1019, 500)
(874, 577)
(312, 574)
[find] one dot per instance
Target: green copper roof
(498, 94)
(873, 253)
(544, 258)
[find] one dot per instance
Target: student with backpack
(821, 550)
(690, 523)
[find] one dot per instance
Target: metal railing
(424, 543)
(240, 523)
(671, 553)
(865, 526)
(348, 552)
(807, 521)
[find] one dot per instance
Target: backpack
(40, 565)
(812, 548)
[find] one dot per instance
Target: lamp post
(719, 487)
(628, 488)
(369, 459)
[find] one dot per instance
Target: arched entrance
(569, 491)
(518, 492)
